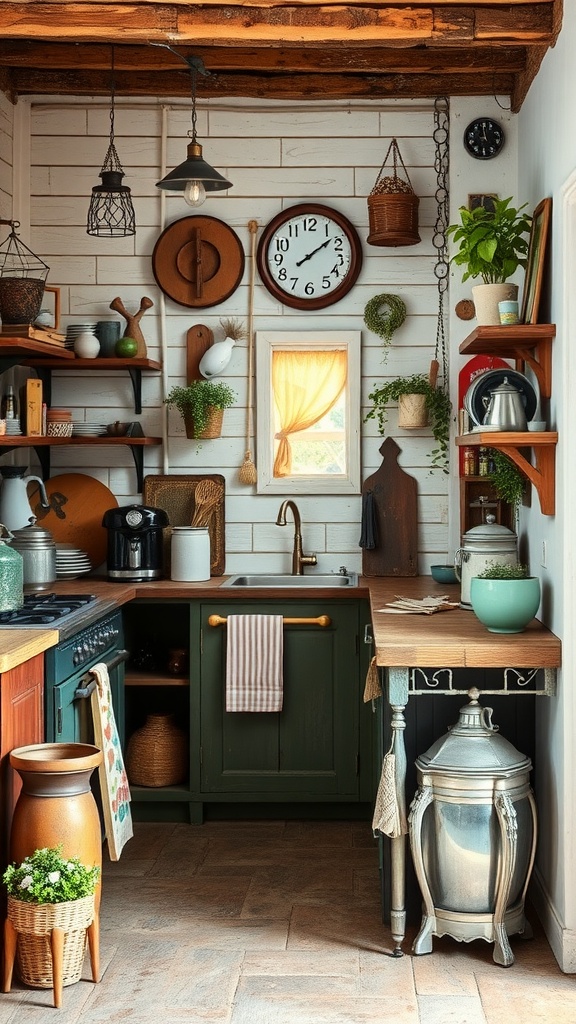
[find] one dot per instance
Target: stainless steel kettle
(38, 551)
(505, 408)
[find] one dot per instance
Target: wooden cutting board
(395, 497)
(175, 494)
(77, 504)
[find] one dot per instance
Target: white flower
(54, 876)
(26, 882)
(70, 866)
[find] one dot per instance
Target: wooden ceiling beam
(157, 60)
(274, 86)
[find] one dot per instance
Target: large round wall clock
(484, 138)
(309, 256)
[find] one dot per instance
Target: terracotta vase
(56, 805)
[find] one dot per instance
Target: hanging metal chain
(112, 95)
(441, 136)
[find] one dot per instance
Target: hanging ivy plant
(508, 481)
(384, 314)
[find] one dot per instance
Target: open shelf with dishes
(528, 344)
(542, 472)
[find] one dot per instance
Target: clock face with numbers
(309, 256)
(484, 138)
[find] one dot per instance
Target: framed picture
(536, 262)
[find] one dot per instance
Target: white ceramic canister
(481, 547)
(190, 554)
(86, 345)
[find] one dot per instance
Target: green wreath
(384, 323)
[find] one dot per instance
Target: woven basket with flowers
(393, 205)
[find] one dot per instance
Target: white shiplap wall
(276, 155)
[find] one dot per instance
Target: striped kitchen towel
(254, 663)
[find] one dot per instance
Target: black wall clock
(309, 256)
(484, 138)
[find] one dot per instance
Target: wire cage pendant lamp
(111, 213)
(194, 176)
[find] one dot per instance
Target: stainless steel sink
(333, 579)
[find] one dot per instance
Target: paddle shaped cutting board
(77, 504)
(395, 500)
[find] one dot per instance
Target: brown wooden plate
(198, 261)
(175, 494)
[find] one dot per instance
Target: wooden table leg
(57, 948)
(94, 946)
(397, 689)
(10, 940)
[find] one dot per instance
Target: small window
(308, 412)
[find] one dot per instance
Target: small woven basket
(34, 922)
(59, 428)
(157, 753)
(213, 426)
(393, 206)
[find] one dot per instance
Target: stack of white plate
(71, 562)
(72, 332)
(88, 429)
(13, 426)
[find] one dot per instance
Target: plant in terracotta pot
(505, 597)
(492, 244)
(49, 891)
(201, 404)
(435, 406)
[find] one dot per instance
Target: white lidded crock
(482, 546)
(38, 550)
(190, 554)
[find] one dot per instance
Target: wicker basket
(157, 753)
(59, 428)
(34, 922)
(213, 426)
(393, 206)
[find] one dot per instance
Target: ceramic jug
(15, 508)
(216, 358)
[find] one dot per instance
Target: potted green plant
(415, 395)
(492, 244)
(505, 597)
(47, 891)
(201, 404)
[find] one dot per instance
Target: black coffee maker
(135, 542)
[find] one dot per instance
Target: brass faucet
(298, 559)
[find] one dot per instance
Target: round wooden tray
(77, 504)
(198, 261)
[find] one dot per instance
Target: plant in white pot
(492, 244)
(432, 404)
(505, 597)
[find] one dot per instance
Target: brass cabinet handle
(320, 620)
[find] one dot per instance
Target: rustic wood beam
(96, 57)
(276, 86)
(305, 25)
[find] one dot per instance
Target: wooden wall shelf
(527, 344)
(135, 368)
(542, 473)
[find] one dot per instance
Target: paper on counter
(421, 606)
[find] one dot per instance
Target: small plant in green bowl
(496, 571)
(46, 876)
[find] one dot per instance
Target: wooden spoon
(206, 497)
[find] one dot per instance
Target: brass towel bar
(320, 620)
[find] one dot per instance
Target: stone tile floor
(279, 923)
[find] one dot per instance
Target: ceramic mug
(108, 333)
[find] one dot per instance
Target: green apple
(126, 348)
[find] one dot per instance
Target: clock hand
(313, 253)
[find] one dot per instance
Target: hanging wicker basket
(157, 753)
(393, 205)
(33, 922)
(213, 426)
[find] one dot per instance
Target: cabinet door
(307, 751)
(22, 723)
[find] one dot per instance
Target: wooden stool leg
(57, 947)
(94, 946)
(10, 940)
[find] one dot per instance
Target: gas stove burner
(42, 609)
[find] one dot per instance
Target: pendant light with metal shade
(111, 213)
(194, 176)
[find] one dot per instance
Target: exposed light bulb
(194, 193)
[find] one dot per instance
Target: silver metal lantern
(472, 831)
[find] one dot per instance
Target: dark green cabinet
(317, 750)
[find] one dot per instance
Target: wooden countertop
(446, 639)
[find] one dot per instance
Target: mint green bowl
(505, 606)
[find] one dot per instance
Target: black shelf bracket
(136, 378)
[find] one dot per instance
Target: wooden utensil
(206, 498)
